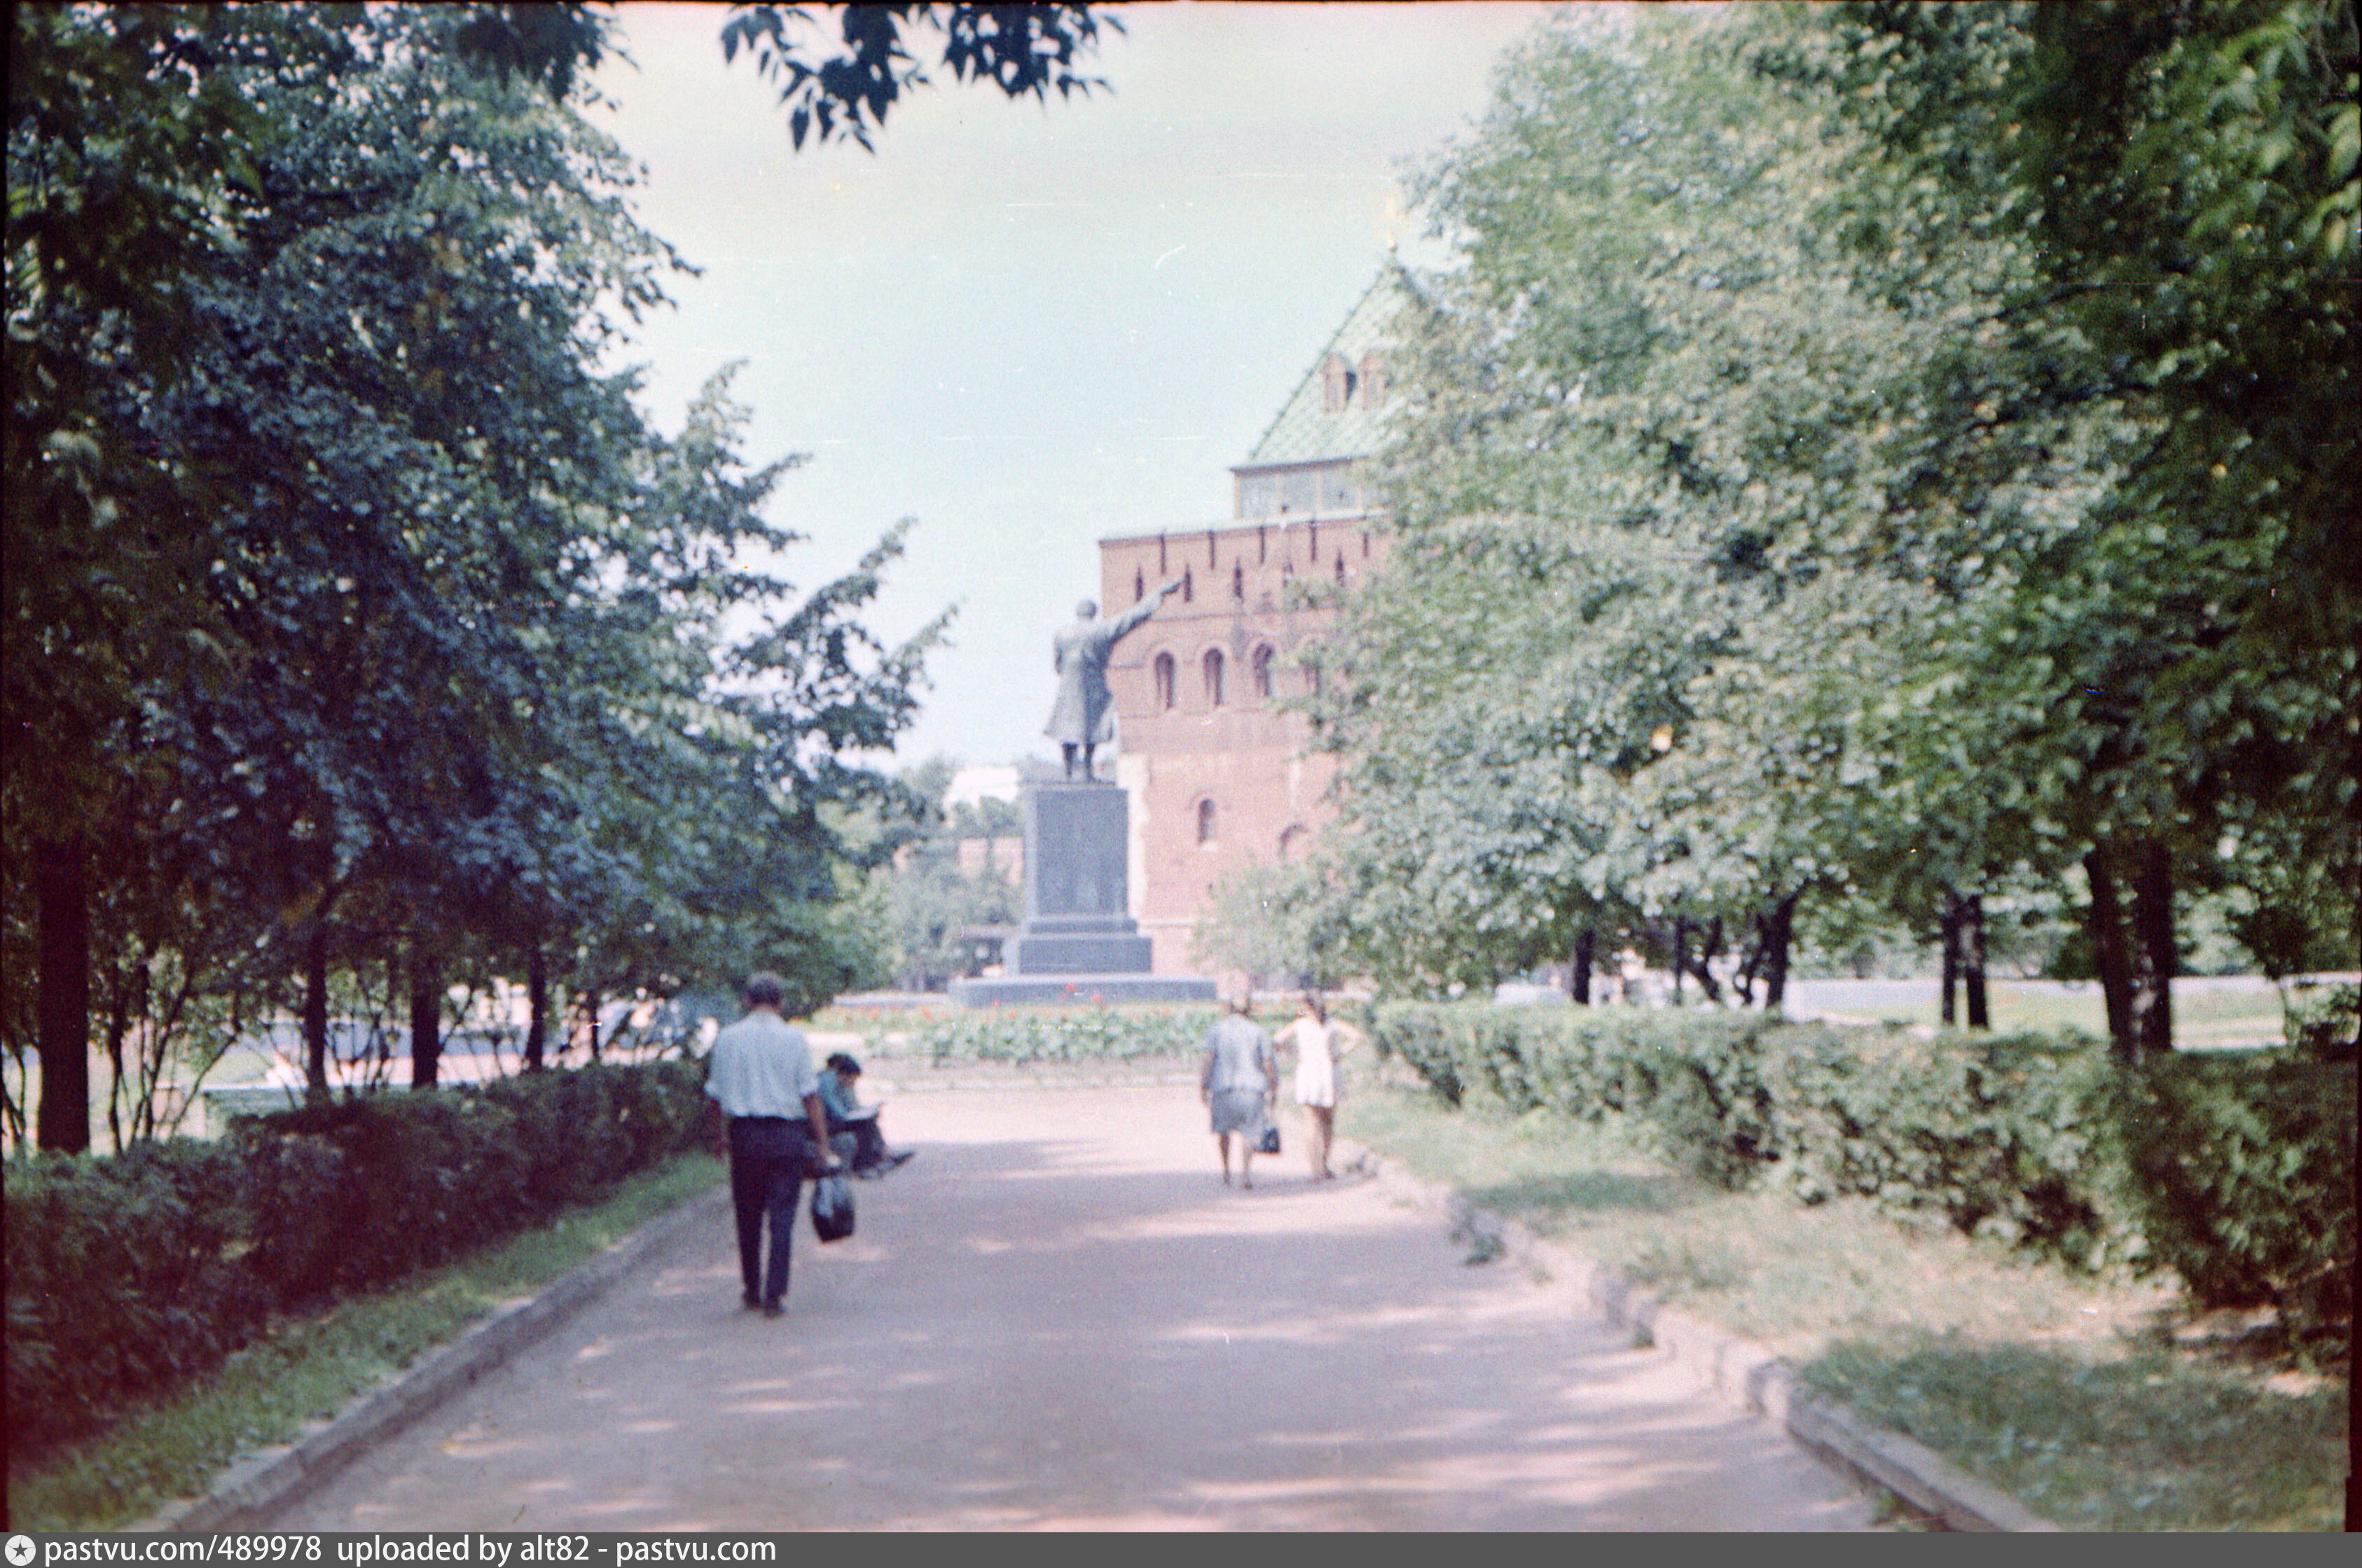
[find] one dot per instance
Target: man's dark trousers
(769, 1158)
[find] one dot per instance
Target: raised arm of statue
(1124, 623)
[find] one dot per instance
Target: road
(1057, 1317)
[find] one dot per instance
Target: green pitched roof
(1306, 430)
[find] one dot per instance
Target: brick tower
(1218, 775)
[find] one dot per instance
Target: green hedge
(1693, 1078)
(127, 1273)
(2242, 1176)
(2009, 1136)
(2235, 1172)
(1065, 1034)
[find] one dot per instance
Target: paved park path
(1057, 1317)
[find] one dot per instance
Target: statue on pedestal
(1083, 718)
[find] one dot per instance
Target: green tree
(1943, 601)
(2178, 184)
(930, 895)
(340, 578)
(1636, 419)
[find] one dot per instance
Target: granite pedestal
(1078, 943)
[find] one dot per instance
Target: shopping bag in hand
(832, 1206)
(1269, 1143)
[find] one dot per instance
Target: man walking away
(768, 1123)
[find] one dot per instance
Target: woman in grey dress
(1239, 1083)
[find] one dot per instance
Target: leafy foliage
(1064, 1034)
(2236, 1172)
(2245, 1181)
(1823, 495)
(130, 1273)
(355, 616)
(928, 895)
(1022, 49)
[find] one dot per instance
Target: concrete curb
(246, 1495)
(1739, 1369)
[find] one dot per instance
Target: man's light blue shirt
(761, 1066)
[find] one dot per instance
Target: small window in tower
(1188, 586)
(1261, 667)
(1139, 588)
(1163, 667)
(1341, 568)
(1238, 581)
(1213, 668)
(1338, 491)
(1337, 383)
(1311, 676)
(1205, 822)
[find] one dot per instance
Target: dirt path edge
(1935, 1490)
(248, 1493)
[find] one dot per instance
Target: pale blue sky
(1031, 328)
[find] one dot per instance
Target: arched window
(1205, 822)
(1261, 667)
(1163, 668)
(1213, 668)
(1238, 581)
(1311, 677)
(1373, 381)
(1188, 585)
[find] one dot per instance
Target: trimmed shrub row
(1065, 1034)
(2236, 1172)
(127, 1273)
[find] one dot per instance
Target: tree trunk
(1950, 923)
(120, 1090)
(63, 1120)
(1777, 931)
(1681, 956)
(2154, 958)
(1972, 959)
(537, 990)
(315, 1007)
(2108, 955)
(1709, 949)
(591, 1015)
(426, 1018)
(1578, 979)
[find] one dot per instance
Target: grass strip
(2153, 1440)
(310, 1368)
(2062, 1390)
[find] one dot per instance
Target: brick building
(1218, 774)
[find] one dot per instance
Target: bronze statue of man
(1083, 718)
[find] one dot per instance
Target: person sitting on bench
(847, 1115)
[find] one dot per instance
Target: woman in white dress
(1317, 1044)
